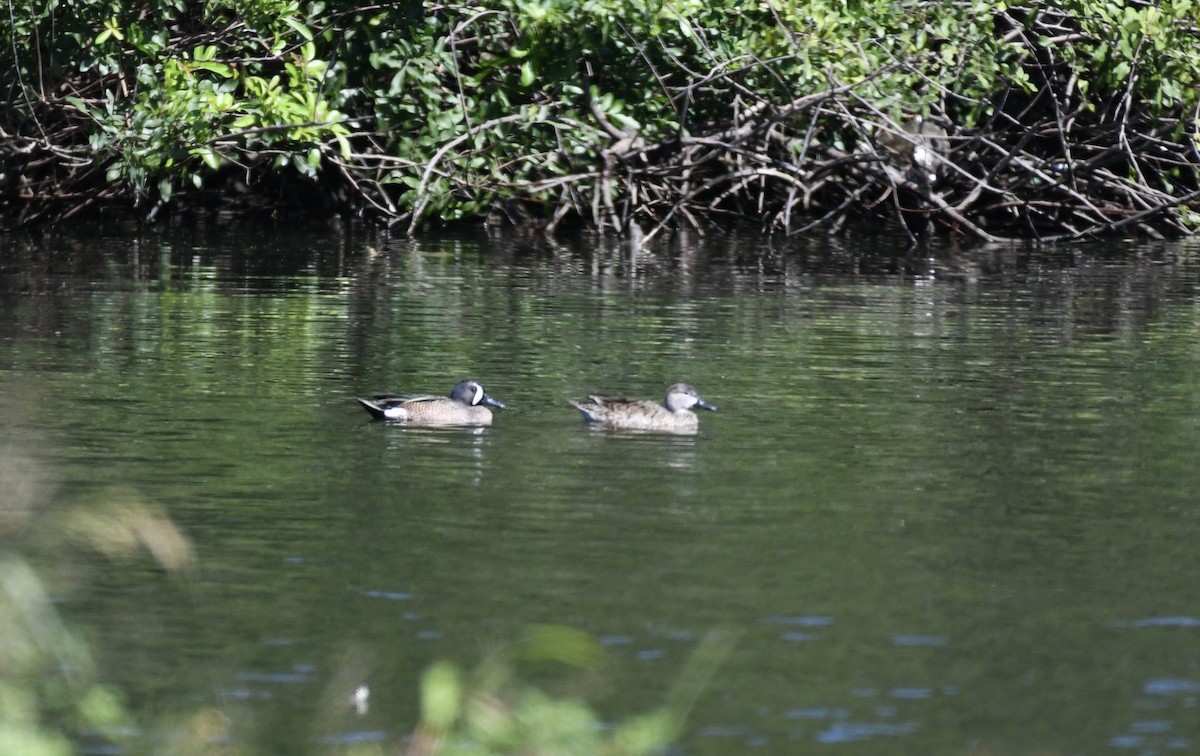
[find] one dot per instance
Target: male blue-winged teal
(464, 406)
(639, 414)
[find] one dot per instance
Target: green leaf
(647, 734)
(441, 696)
(208, 156)
(112, 28)
(298, 27)
(77, 103)
(220, 69)
(101, 706)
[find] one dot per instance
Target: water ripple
(850, 732)
(802, 620)
(920, 640)
(355, 738)
(1170, 686)
(1159, 622)
(389, 595)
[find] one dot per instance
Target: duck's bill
(705, 405)
(492, 402)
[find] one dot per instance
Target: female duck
(464, 406)
(638, 414)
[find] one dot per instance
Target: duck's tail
(587, 410)
(376, 411)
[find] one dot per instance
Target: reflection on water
(459, 448)
(948, 500)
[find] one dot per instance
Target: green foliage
(1149, 49)
(446, 108)
(35, 641)
(168, 104)
(50, 691)
(639, 64)
(491, 713)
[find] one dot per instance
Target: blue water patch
(246, 694)
(429, 634)
(1151, 726)
(389, 595)
(913, 641)
(797, 636)
(1169, 686)
(724, 731)
(1140, 741)
(616, 640)
(802, 620)
(354, 738)
(850, 732)
(300, 673)
(912, 693)
(817, 713)
(650, 654)
(1159, 622)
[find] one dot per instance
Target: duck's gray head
(681, 396)
(472, 394)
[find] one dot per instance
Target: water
(948, 502)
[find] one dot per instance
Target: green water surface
(950, 502)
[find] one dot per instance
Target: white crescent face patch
(478, 395)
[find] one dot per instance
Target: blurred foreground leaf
(122, 523)
(497, 714)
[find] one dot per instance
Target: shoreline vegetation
(984, 121)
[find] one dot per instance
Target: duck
(674, 415)
(467, 405)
